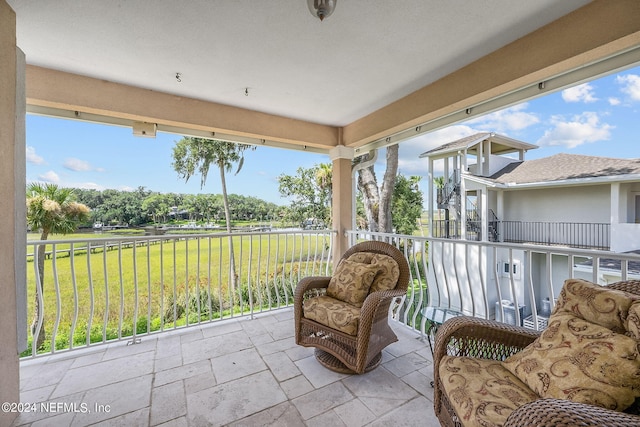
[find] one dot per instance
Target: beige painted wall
(9, 366)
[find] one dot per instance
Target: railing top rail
(535, 248)
(115, 239)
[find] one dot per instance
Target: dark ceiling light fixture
(321, 8)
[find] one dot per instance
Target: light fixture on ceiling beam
(321, 8)
(147, 130)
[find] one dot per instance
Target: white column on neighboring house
(484, 212)
(432, 192)
(463, 199)
(487, 164)
(500, 213)
(479, 159)
(615, 203)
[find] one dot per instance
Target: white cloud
(614, 101)
(77, 165)
(630, 85)
(578, 130)
(32, 157)
(510, 119)
(581, 93)
(50, 176)
(88, 186)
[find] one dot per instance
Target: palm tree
(324, 175)
(50, 209)
(191, 155)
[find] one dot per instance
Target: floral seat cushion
(333, 313)
(481, 391)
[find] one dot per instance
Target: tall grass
(108, 294)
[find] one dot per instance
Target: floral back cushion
(595, 303)
(351, 282)
(581, 361)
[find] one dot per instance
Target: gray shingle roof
(565, 166)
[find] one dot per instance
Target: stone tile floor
(241, 372)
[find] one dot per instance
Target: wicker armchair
(344, 352)
(487, 339)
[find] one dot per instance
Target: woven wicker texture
(355, 352)
(473, 337)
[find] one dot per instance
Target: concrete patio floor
(241, 372)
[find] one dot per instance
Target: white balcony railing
(105, 289)
(489, 280)
(101, 290)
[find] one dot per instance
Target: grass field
(105, 293)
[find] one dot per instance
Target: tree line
(143, 206)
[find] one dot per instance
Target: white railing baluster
(121, 319)
(148, 242)
(56, 283)
(72, 254)
(135, 339)
(198, 279)
(161, 243)
(91, 296)
(186, 280)
(106, 292)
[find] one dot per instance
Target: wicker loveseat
(345, 317)
(583, 370)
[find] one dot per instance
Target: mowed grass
(161, 284)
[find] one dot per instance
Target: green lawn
(103, 284)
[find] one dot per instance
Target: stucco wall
(9, 366)
(563, 204)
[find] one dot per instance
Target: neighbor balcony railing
(571, 234)
(105, 289)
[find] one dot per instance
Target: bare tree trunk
(386, 192)
(369, 188)
(227, 214)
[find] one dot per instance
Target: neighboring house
(490, 193)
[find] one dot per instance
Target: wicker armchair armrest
(309, 283)
(376, 305)
(481, 338)
(305, 285)
(557, 412)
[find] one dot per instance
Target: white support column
(342, 196)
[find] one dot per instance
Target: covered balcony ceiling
(268, 71)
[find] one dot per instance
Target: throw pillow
(595, 303)
(387, 278)
(580, 361)
(389, 272)
(351, 282)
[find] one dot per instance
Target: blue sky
(599, 118)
